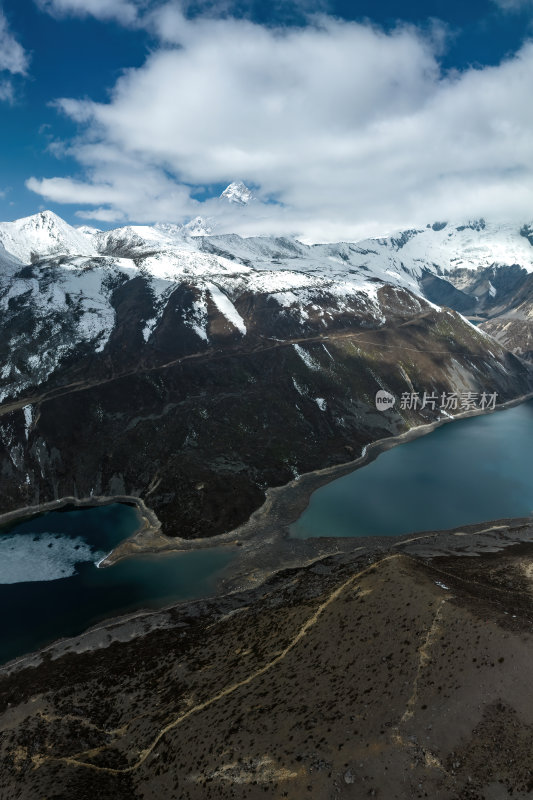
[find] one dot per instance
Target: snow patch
(39, 557)
(298, 388)
(306, 357)
(28, 419)
(226, 307)
(198, 319)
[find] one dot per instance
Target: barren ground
(398, 674)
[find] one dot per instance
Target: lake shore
(283, 505)
(264, 568)
(263, 540)
(264, 549)
(419, 657)
(148, 521)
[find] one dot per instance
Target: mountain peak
(238, 193)
(43, 219)
(43, 234)
(199, 226)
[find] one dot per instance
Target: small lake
(50, 586)
(467, 471)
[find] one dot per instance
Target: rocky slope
(196, 370)
(398, 673)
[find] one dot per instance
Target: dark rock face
(527, 232)
(515, 334)
(489, 290)
(503, 295)
(196, 373)
(474, 225)
(512, 321)
(442, 292)
(200, 428)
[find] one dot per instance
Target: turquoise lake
(50, 586)
(466, 471)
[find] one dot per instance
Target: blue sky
(345, 117)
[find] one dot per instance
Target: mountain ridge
(196, 371)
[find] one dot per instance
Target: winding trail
(423, 659)
(144, 754)
(213, 355)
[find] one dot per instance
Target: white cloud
(13, 59)
(125, 11)
(514, 5)
(352, 130)
(6, 91)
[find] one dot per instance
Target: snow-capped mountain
(454, 253)
(445, 246)
(237, 193)
(155, 360)
(68, 295)
(88, 230)
(66, 278)
(44, 234)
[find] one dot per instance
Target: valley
(216, 382)
(176, 363)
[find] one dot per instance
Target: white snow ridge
(64, 278)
